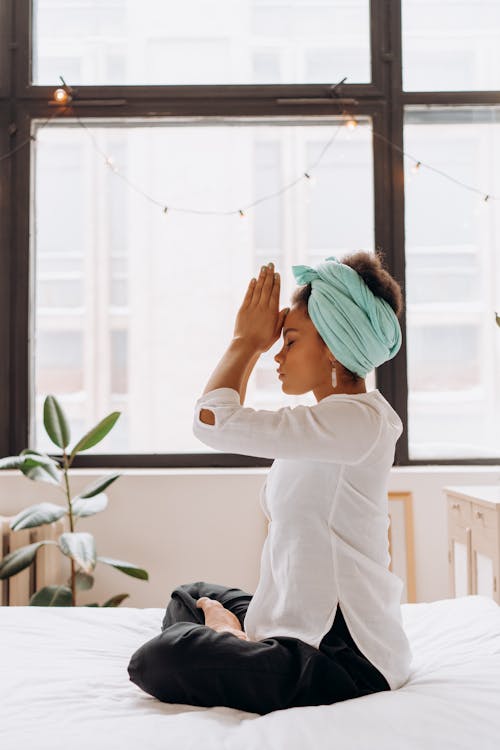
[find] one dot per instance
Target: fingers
(280, 321)
(267, 287)
(249, 293)
(275, 292)
(260, 284)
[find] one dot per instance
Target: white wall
(186, 525)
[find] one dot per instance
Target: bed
(64, 684)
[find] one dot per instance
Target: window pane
(451, 45)
(158, 293)
(452, 283)
(166, 42)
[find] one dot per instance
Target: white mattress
(64, 685)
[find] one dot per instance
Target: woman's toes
(205, 601)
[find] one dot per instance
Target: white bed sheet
(64, 684)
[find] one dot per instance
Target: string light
(110, 163)
(311, 184)
(434, 169)
(63, 96)
(310, 178)
(482, 205)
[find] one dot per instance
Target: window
(151, 286)
(114, 42)
(451, 45)
(453, 284)
(214, 106)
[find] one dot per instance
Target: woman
(324, 624)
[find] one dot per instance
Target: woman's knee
(154, 666)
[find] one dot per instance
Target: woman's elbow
(207, 416)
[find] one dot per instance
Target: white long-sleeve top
(325, 498)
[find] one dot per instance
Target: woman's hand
(259, 319)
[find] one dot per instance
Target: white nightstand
(474, 540)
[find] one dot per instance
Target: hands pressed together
(259, 320)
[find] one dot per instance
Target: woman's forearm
(248, 372)
(234, 368)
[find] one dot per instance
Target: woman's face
(305, 362)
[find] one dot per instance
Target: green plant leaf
(80, 546)
(91, 605)
(96, 434)
(34, 466)
(52, 596)
(39, 467)
(11, 462)
(88, 507)
(44, 457)
(55, 422)
(37, 515)
(125, 567)
(497, 318)
(20, 559)
(98, 486)
(116, 600)
(83, 581)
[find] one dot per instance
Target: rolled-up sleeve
(340, 430)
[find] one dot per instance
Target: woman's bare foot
(219, 618)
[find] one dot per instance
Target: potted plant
(78, 546)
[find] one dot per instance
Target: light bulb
(415, 168)
(351, 123)
(61, 96)
(311, 179)
(482, 206)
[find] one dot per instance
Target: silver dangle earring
(334, 376)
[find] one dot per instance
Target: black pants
(190, 663)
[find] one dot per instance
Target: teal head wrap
(360, 329)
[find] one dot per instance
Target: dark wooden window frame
(20, 103)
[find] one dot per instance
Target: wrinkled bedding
(64, 684)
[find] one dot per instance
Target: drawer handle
(478, 514)
(455, 506)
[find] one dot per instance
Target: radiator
(46, 570)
